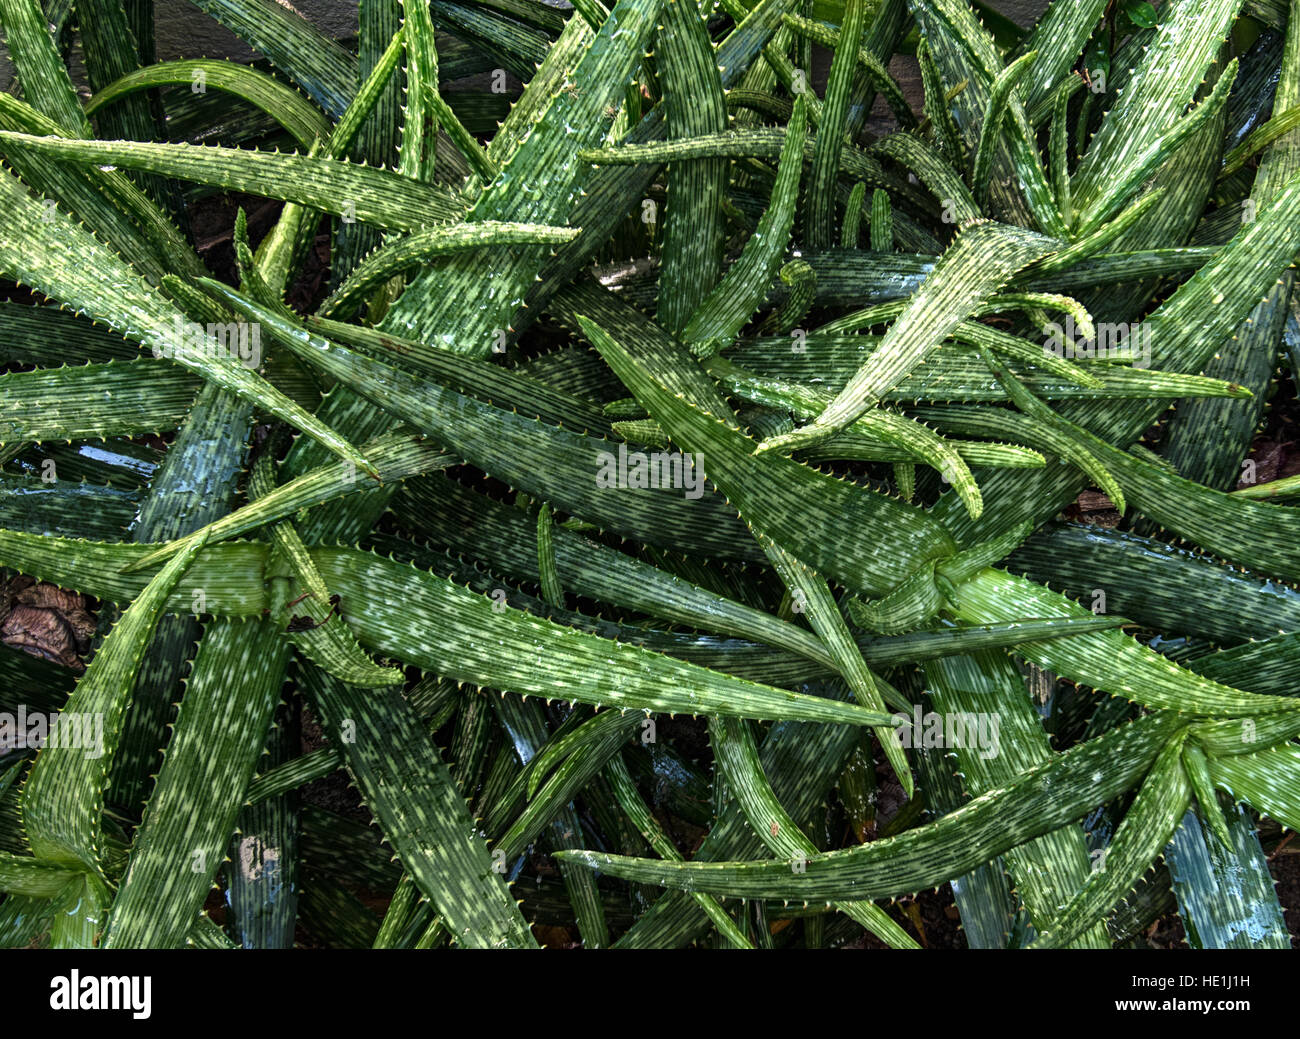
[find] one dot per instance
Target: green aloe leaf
(1200, 314)
(1045, 798)
(46, 83)
(646, 680)
(104, 198)
(979, 262)
(65, 261)
(282, 103)
(1268, 779)
(214, 747)
(547, 461)
(326, 71)
(1146, 828)
(1158, 585)
(1165, 81)
(826, 619)
(875, 71)
(964, 52)
(880, 424)
(589, 756)
(416, 249)
(396, 457)
(802, 763)
(64, 796)
(1006, 740)
(1225, 895)
(539, 183)
(34, 878)
(1107, 200)
(563, 394)
(785, 500)
(825, 165)
(321, 635)
(431, 831)
(718, 320)
(231, 583)
(630, 801)
(66, 509)
(1250, 353)
(1113, 661)
(694, 105)
(386, 199)
(95, 400)
(1058, 39)
(742, 771)
(994, 113)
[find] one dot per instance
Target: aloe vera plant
(657, 515)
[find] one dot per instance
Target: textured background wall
(185, 32)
